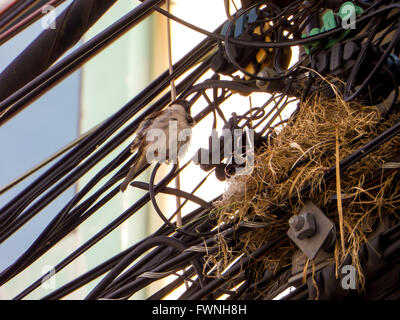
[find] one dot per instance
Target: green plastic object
(328, 20)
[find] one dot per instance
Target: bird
(163, 136)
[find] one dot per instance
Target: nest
(296, 158)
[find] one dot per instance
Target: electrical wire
(173, 248)
(47, 161)
(23, 23)
(281, 44)
(17, 94)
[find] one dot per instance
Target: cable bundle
(253, 62)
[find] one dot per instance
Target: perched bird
(161, 136)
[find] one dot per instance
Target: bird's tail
(132, 172)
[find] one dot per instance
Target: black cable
(199, 226)
(173, 191)
(14, 207)
(129, 258)
(173, 285)
(365, 150)
(300, 293)
(99, 270)
(236, 64)
(11, 271)
(140, 283)
(23, 22)
(389, 109)
(215, 284)
(15, 11)
(91, 142)
(51, 44)
(19, 99)
(137, 284)
(351, 79)
(223, 84)
(163, 217)
(244, 262)
(74, 223)
(273, 45)
(152, 260)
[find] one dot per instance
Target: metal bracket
(322, 227)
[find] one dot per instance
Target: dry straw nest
(298, 156)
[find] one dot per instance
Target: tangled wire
(236, 245)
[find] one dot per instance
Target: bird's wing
(142, 130)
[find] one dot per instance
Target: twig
(339, 193)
